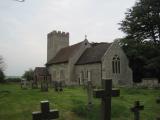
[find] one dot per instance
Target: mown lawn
(18, 104)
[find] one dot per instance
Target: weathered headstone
(136, 110)
(24, 84)
(46, 113)
(89, 93)
(58, 86)
(44, 85)
(106, 94)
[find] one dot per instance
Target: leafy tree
(2, 76)
(28, 75)
(142, 41)
(2, 67)
(142, 21)
(2, 64)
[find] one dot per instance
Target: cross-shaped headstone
(46, 113)
(136, 110)
(158, 102)
(106, 94)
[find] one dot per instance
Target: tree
(142, 21)
(28, 75)
(2, 66)
(2, 76)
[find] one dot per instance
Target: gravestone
(44, 85)
(106, 94)
(24, 84)
(158, 102)
(58, 86)
(136, 110)
(89, 93)
(46, 113)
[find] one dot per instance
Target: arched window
(116, 68)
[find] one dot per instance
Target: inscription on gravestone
(46, 113)
(106, 94)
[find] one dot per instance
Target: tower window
(116, 67)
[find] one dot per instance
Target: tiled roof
(93, 54)
(64, 54)
(41, 71)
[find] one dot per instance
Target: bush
(13, 79)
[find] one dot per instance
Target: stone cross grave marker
(136, 110)
(46, 113)
(106, 94)
(158, 102)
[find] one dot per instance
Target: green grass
(19, 104)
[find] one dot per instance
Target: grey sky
(24, 26)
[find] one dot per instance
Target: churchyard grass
(18, 104)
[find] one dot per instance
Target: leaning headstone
(46, 113)
(106, 94)
(136, 110)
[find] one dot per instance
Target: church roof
(64, 54)
(42, 71)
(93, 54)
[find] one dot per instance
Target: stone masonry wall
(125, 75)
(55, 41)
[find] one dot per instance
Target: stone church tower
(56, 40)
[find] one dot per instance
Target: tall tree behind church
(142, 41)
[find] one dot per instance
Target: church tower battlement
(56, 40)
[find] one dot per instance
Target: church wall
(59, 72)
(95, 71)
(74, 59)
(124, 77)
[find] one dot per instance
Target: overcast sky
(24, 26)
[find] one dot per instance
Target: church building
(84, 61)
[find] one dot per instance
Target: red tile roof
(41, 71)
(93, 54)
(64, 54)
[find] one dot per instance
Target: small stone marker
(44, 85)
(45, 113)
(58, 86)
(89, 92)
(23, 83)
(136, 110)
(106, 94)
(158, 102)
